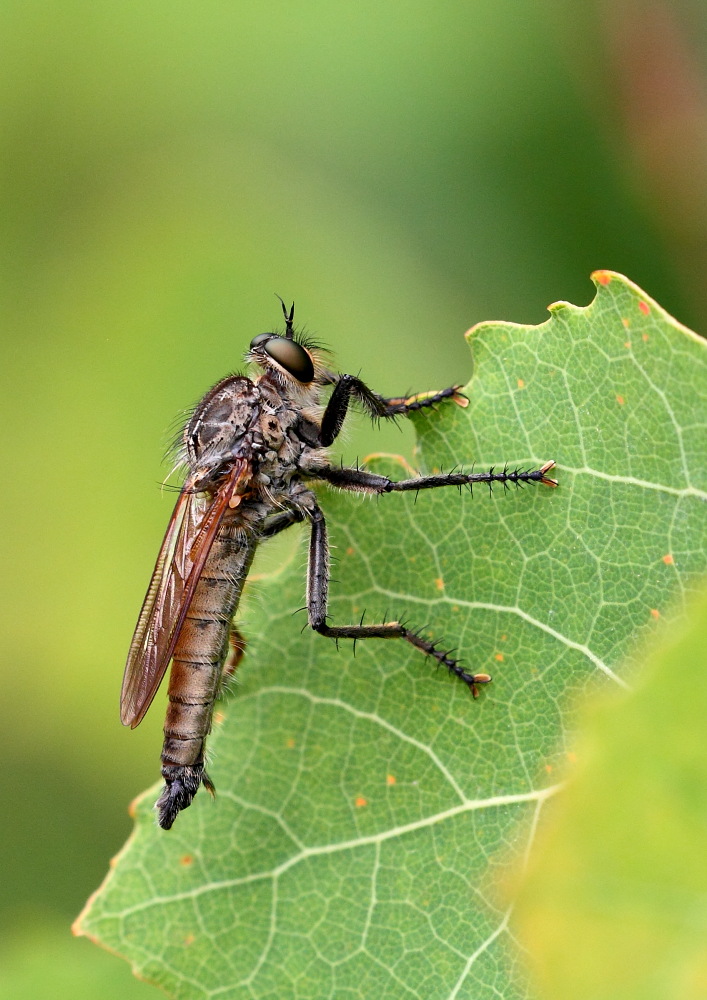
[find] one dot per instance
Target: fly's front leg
(418, 401)
(317, 604)
(378, 407)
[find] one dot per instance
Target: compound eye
(290, 356)
(260, 339)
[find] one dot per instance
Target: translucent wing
(185, 549)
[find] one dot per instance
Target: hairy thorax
(253, 421)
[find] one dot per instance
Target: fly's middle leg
(317, 604)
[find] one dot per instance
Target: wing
(185, 549)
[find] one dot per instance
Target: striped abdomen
(197, 665)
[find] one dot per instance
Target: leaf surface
(369, 812)
(615, 904)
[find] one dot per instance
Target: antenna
(289, 318)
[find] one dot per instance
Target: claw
(546, 479)
(478, 679)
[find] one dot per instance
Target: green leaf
(616, 906)
(369, 811)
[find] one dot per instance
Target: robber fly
(251, 449)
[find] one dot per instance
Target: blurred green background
(401, 170)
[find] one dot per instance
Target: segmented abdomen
(200, 651)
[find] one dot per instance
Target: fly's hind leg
(234, 653)
(317, 602)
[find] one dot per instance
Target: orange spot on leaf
(548, 768)
(349, 551)
(361, 802)
(439, 583)
(645, 337)
(626, 322)
(627, 345)
(571, 756)
(499, 657)
(655, 613)
(186, 860)
(603, 277)
(219, 718)
(189, 939)
(390, 779)
(290, 743)
(668, 559)
(620, 400)
(521, 383)
(644, 307)
(504, 637)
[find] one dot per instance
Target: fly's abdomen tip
(181, 785)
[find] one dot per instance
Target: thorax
(244, 419)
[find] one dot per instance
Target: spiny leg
(361, 481)
(420, 400)
(317, 604)
(378, 407)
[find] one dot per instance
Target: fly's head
(291, 362)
